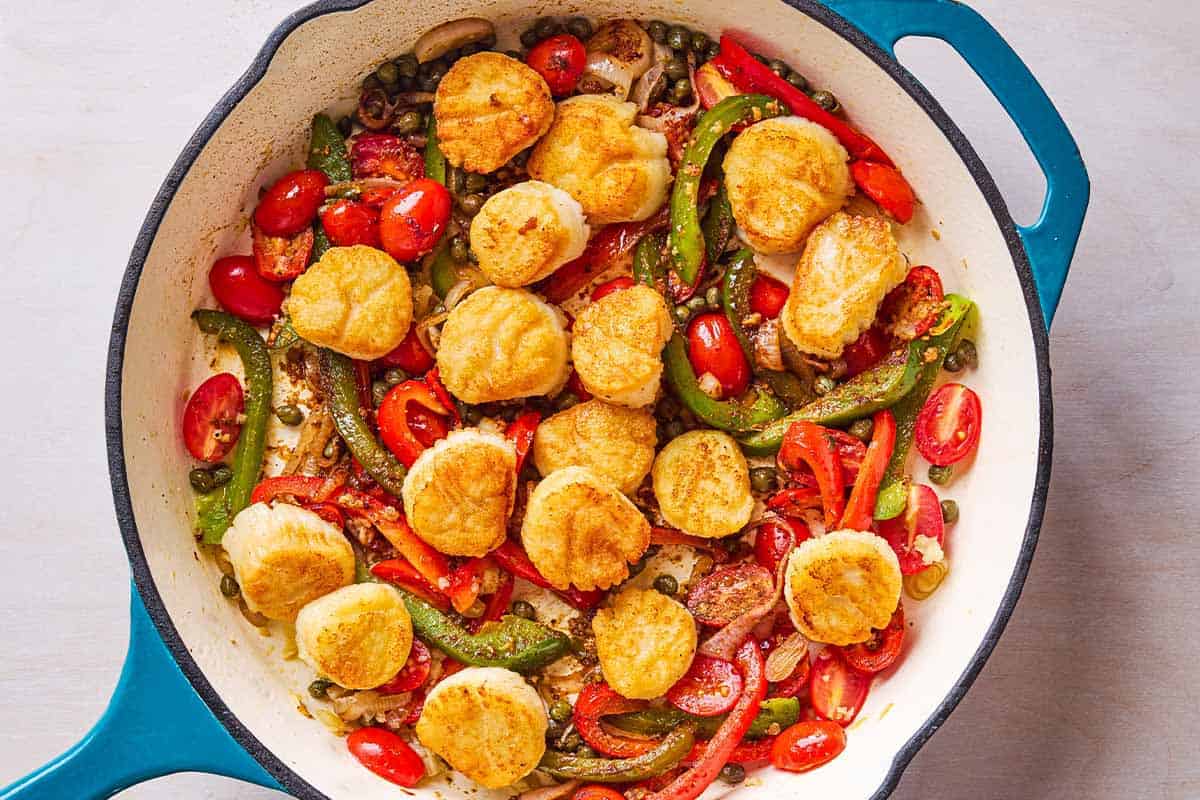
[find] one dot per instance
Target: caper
(585, 752)
(331, 448)
(554, 732)
(229, 586)
(571, 741)
(560, 710)
(345, 126)
(471, 203)
(862, 429)
(475, 182)
(940, 475)
(201, 480)
(678, 37)
(699, 42)
(455, 179)
(682, 313)
(682, 86)
(458, 248)
(712, 298)
(712, 51)
(680, 98)
(579, 27)
(823, 385)
(473, 415)
(394, 376)
(673, 428)
(951, 363)
(407, 66)
(319, 687)
(387, 73)
(371, 82)
(428, 83)
(288, 414)
(780, 68)
(546, 27)
(379, 390)
(968, 356)
(733, 773)
(676, 68)
(949, 512)
(636, 567)
(666, 584)
(221, 475)
(763, 479)
(697, 304)
(524, 609)
(826, 100)
(658, 31)
(529, 38)
(514, 54)
(521, 158)
(409, 122)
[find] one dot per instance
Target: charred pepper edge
(669, 752)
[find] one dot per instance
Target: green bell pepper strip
(321, 243)
(435, 162)
(718, 225)
(338, 383)
(443, 271)
(734, 416)
(777, 711)
(513, 643)
(687, 237)
(217, 509)
(648, 261)
(669, 752)
(327, 150)
(943, 338)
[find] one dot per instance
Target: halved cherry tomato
(948, 426)
(886, 186)
(410, 355)
(596, 791)
(381, 155)
(768, 296)
(290, 204)
(521, 432)
(348, 223)
(773, 541)
(408, 431)
(713, 348)
(881, 650)
(724, 595)
(414, 672)
(865, 352)
(242, 291)
(615, 285)
(210, 419)
(711, 686)
(413, 219)
(912, 308)
(807, 745)
(838, 692)
(922, 517)
(281, 258)
(387, 755)
(560, 60)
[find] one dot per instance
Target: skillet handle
(1049, 242)
(155, 725)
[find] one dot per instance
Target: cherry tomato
(282, 258)
(348, 223)
(913, 307)
(724, 595)
(922, 517)
(387, 755)
(837, 692)
(711, 686)
(427, 426)
(596, 791)
(713, 348)
(290, 204)
(865, 352)
(767, 296)
(615, 285)
(947, 429)
(242, 291)
(887, 187)
(560, 60)
(807, 745)
(410, 355)
(881, 650)
(414, 672)
(413, 219)
(381, 155)
(210, 418)
(773, 541)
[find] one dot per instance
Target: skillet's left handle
(155, 725)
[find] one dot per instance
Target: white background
(1092, 692)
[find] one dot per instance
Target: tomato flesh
(282, 258)
(865, 352)
(768, 296)
(773, 541)
(210, 418)
(560, 60)
(922, 517)
(410, 355)
(381, 155)
(242, 291)
(807, 745)
(724, 595)
(413, 219)
(837, 691)
(615, 285)
(711, 686)
(387, 755)
(348, 223)
(290, 204)
(881, 650)
(414, 672)
(713, 348)
(913, 307)
(947, 429)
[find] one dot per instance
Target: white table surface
(1092, 691)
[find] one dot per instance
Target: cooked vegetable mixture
(530, 436)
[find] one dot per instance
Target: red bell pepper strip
(395, 423)
(513, 559)
(362, 381)
(328, 512)
(744, 753)
(520, 432)
(692, 783)
(612, 241)
(404, 575)
(860, 509)
(434, 379)
(497, 604)
(671, 536)
(887, 187)
(807, 442)
(795, 501)
(431, 564)
(302, 487)
(465, 583)
(597, 700)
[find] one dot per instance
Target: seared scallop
(840, 586)
(487, 722)
(501, 344)
(284, 557)
(784, 177)
(489, 107)
(645, 641)
(702, 483)
(358, 637)
(525, 232)
(579, 530)
(617, 171)
(356, 301)
(459, 493)
(849, 264)
(617, 345)
(614, 442)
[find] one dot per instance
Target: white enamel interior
(317, 66)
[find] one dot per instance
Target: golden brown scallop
(617, 345)
(614, 442)
(525, 232)
(645, 641)
(359, 636)
(702, 483)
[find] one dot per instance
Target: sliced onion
(644, 89)
(784, 658)
(710, 385)
(619, 52)
(552, 792)
(425, 332)
(725, 642)
(436, 42)
(356, 187)
(369, 703)
(766, 346)
(456, 293)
